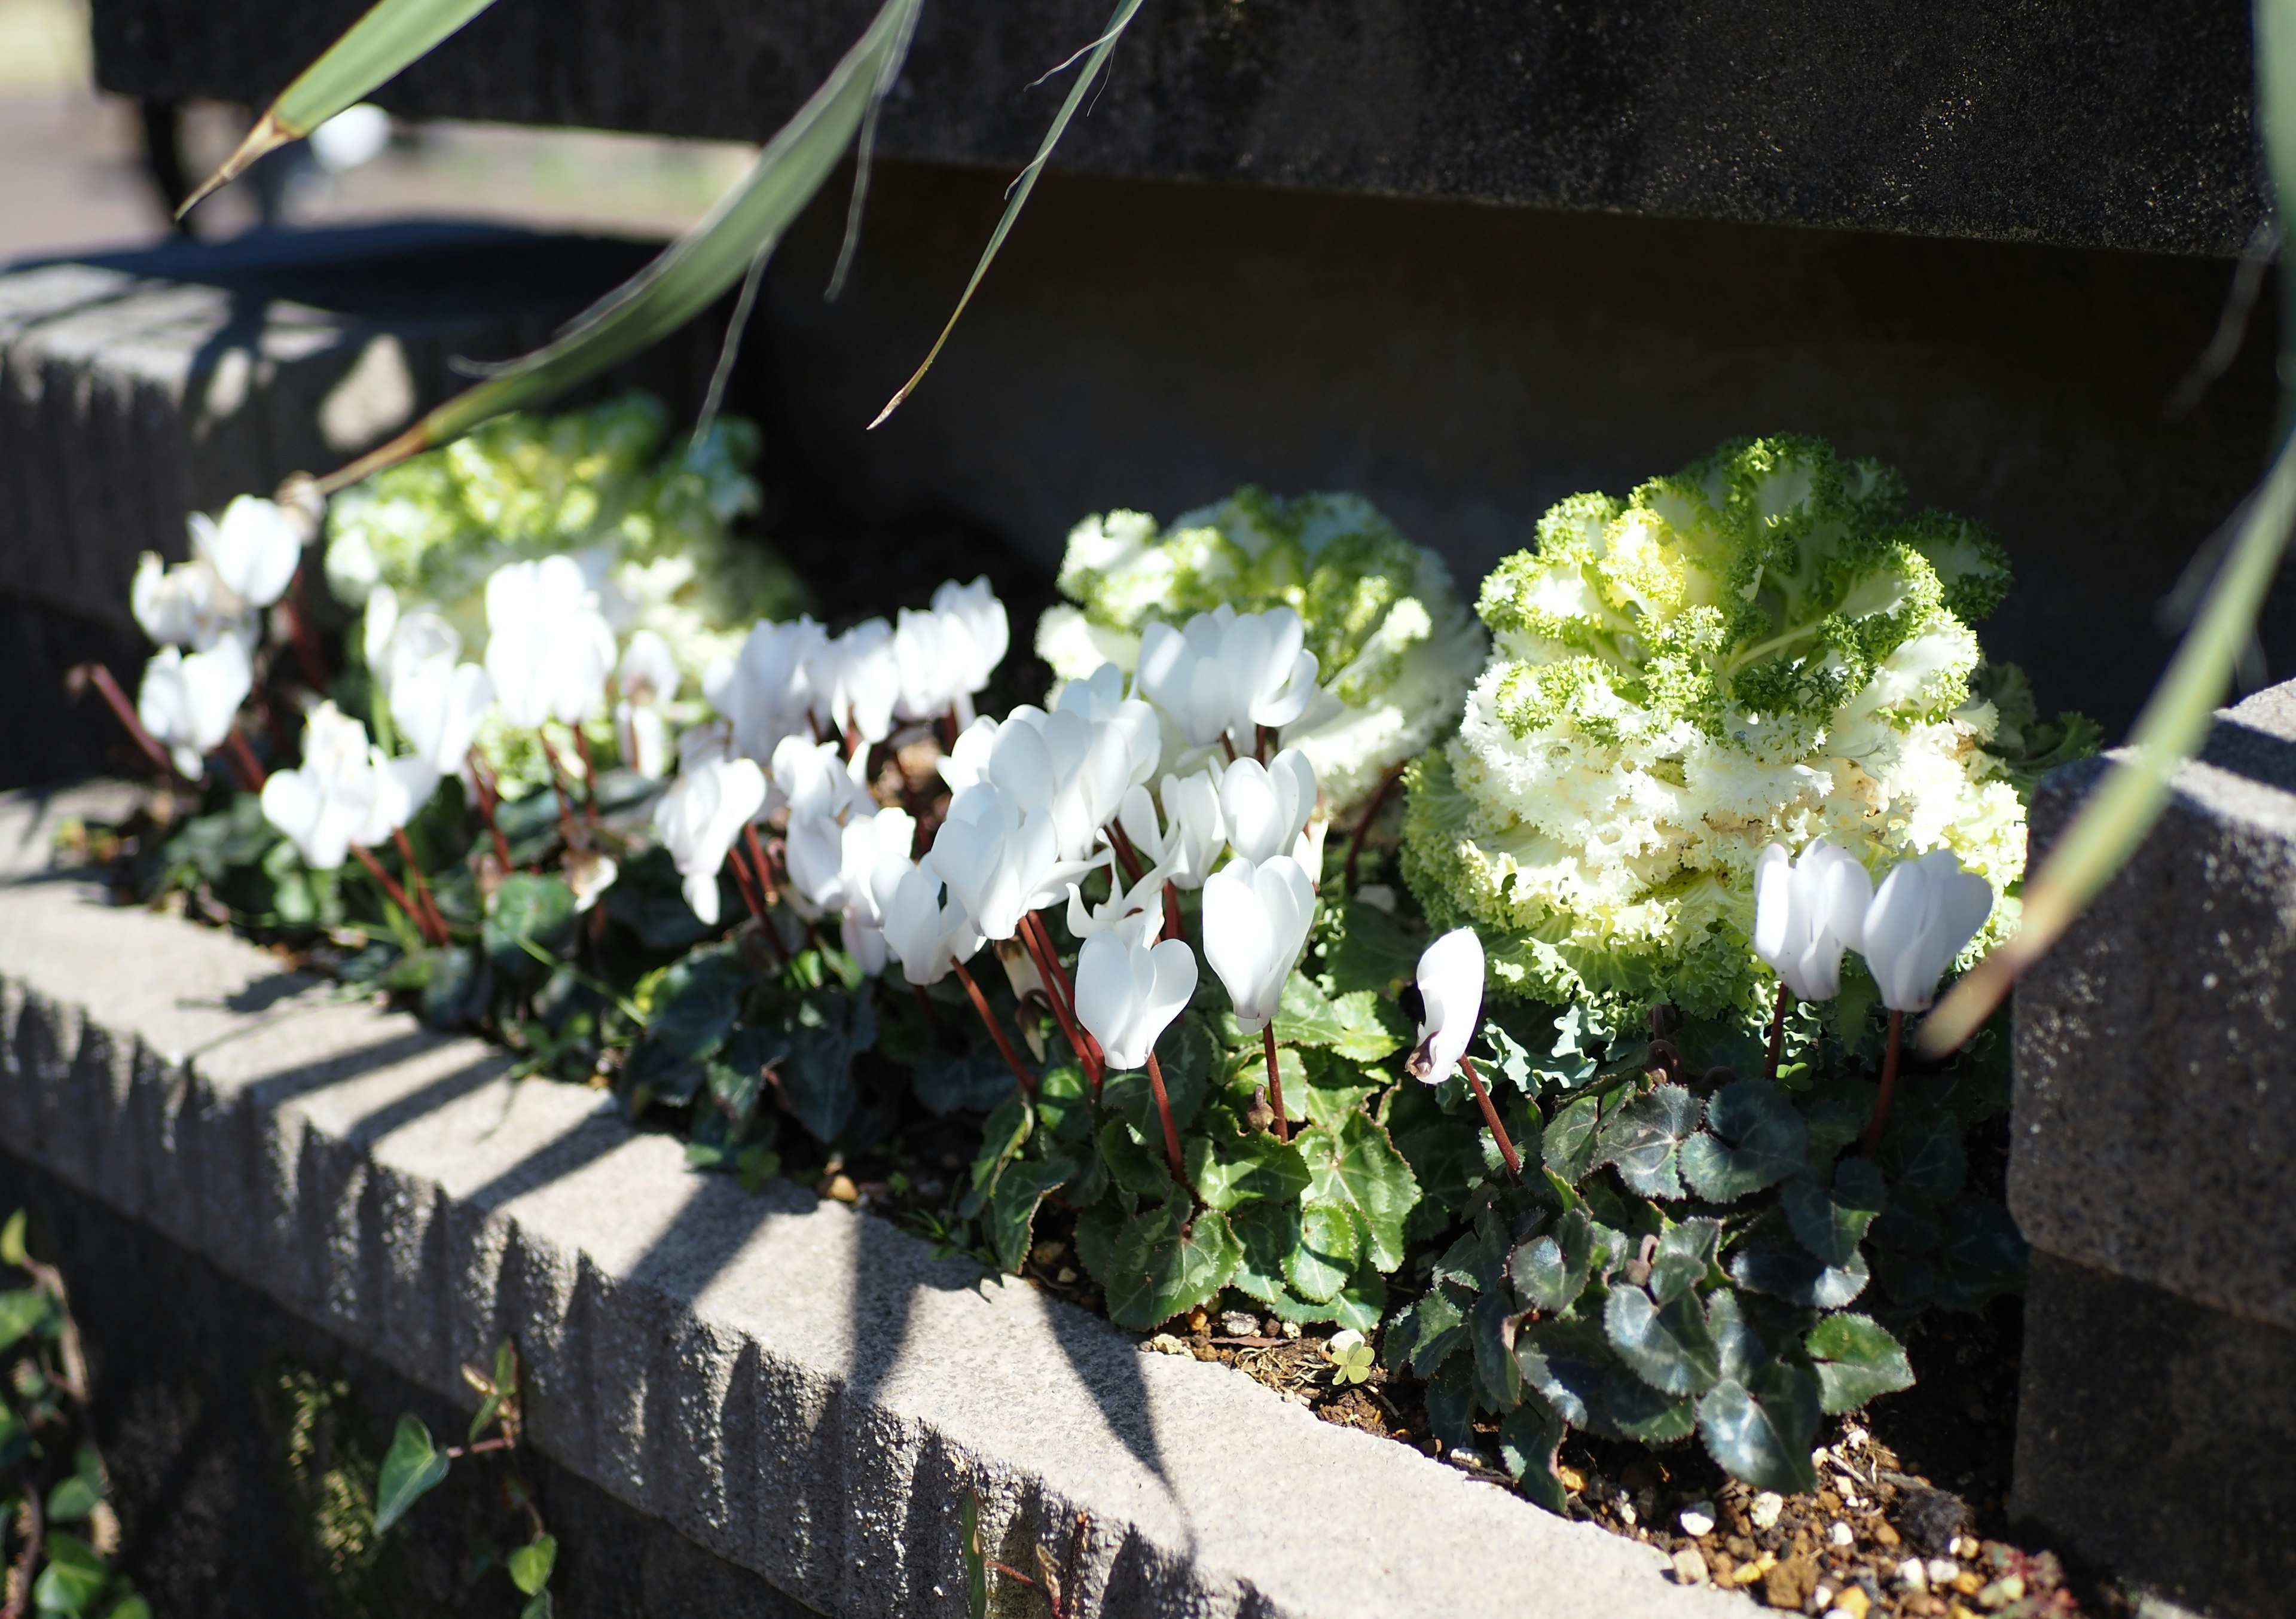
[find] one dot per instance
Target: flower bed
(1667, 1186)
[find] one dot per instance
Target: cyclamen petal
(254, 548)
(1451, 988)
(699, 816)
(188, 702)
(549, 648)
(1128, 993)
(1256, 917)
(1806, 911)
(1924, 913)
(1266, 806)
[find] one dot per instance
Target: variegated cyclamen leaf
(1157, 1269)
(1566, 1363)
(1787, 1271)
(1642, 1139)
(1856, 1360)
(1761, 1431)
(1645, 1415)
(1528, 1440)
(1572, 1139)
(1668, 1345)
(1753, 1139)
(1685, 1254)
(1490, 1329)
(1831, 1224)
(1550, 1271)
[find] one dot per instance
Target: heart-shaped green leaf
(1013, 1207)
(530, 1564)
(1572, 1139)
(1306, 1016)
(1157, 1269)
(412, 1465)
(528, 908)
(25, 1311)
(1257, 1166)
(1761, 1431)
(1668, 1345)
(73, 1580)
(1370, 1028)
(1267, 1234)
(1331, 1246)
(1831, 1225)
(1923, 1159)
(1549, 1273)
(1490, 1329)
(1685, 1254)
(1356, 1168)
(1787, 1270)
(1981, 1257)
(1643, 1138)
(1566, 1363)
(1642, 1413)
(1134, 1166)
(1528, 1440)
(1753, 1139)
(1856, 1360)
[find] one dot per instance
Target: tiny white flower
(1922, 915)
(549, 649)
(1266, 806)
(254, 549)
(1806, 913)
(1256, 919)
(188, 702)
(699, 816)
(1128, 993)
(1451, 990)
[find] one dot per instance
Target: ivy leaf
(1761, 1431)
(73, 1499)
(1797, 1276)
(1644, 1414)
(1331, 1246)
(1478, 1259)
(1156, 1270)
(1831, 1225)
(1685, 1254)
(1753, 1139)
(12, 1240)
(1549, 1273)
(1856, 1360)
(530, 1564)
(1012, 1207)
(1356, 1168)
(1668, 1345)
(1268, 1232)
(456, 989)
(1642, 1139)
(537, 1607)
(74, 1578)
(1983, 1255)
(1570, 1142)
(1490, 1329)
(1925, 1159)
(413, 1465)
(1528, 1440)
(647, 898)
(527, 907)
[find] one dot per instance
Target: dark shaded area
(45, 734)
(2153, 1439)
(197, 1381)
(1155, 346)
(2121, 124)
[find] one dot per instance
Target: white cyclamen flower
(188, 605)
(869, 843)
(1265, 806)
(397, 643)
(762, 689)
(1127, 992)
(1000, 863)
(437, 707)
(699, 816)
(1807, 911)
(1922, 915)
(347, 791)
(854, 679)
(548, 647)
(1226, 672)
(188, 703)
(1451, 992)
(1074, 769)
(926, 935)
(979, 635)
(1137, 915)
(253, 549)
(1256, 919)
(647, 677)
(1194, 831)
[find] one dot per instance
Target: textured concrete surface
(2121, 124)
(2155, 1107)
(2153, 1437)
(796, 1386)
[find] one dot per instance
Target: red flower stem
(436, 932)
(1124, 853)
(1261, 736)
(1363, 825)
(1275, 1082)
(949, 730)
(1004, 1041)
(1778, 1031)
(764, 867)
(124, 711)
(748, 886)
(1228, 744)
(244, 762)
(562, 785)
(589, 775)
(1889, 1084)
(761, 901)
(308, 660)
(1164, 1112)
(1172, 930)
(1491, 1118)
(1061, 993)
(486, 800)
(390, 887)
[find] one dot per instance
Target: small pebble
(1460, 1456)
(840, 1188)
(1290, 1329)
(1236, 1324)
(1821, 1601)
(1689, 1567)
(1697, 1519)
(1068, 1274)
(1627, 1513)
(1852, 1601)
(1941, 1571)
(1967, 1548)
(1164, 1342)
(2002, 1592)
(1912, 1575)
(1767, 1507)
(1852, 1437)
(1842, 1534)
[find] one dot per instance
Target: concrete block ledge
(797, 1386)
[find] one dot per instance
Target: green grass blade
(2124, 807)
(1099, 50)
(692, 271)
(377, 48)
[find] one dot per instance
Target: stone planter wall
(794, 1386)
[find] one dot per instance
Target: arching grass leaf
(1856, 1360)
(1157, 1269)
(1643, 1139)
(1753, 1139)
(1668, 1345)
(1832, 1225)
(413, 1465)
